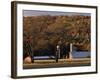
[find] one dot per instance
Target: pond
(75, 54)
(81, 54)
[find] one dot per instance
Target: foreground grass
(60, 63)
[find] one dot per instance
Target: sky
(51, 13)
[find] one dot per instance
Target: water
(44, 57)
(81, 54)
(75, 54)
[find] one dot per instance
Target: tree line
(48, 30)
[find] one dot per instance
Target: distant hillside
(48, 30)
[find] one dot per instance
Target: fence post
(70, 53)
